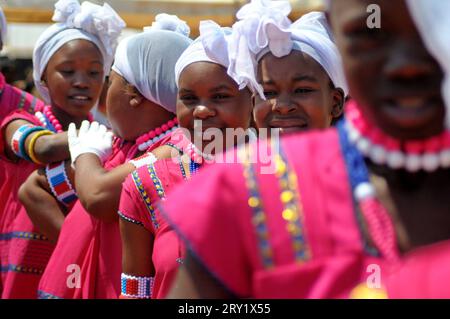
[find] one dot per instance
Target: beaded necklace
(146, 140)
(428, 154)
(378, 220)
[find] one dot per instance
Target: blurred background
(28, 18)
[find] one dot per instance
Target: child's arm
(42, 207)
(98, 189)
(38, 144)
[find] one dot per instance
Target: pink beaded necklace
(49, 120)
(146, 140)
(428, 154)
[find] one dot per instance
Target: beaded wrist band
(60, 184)
(136, 287)
(33, 142)
(143, 160)
(19, 138)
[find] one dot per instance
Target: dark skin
(215, 105)
(74, 78)
(299, 94)
(388, 62)
(384, 68)
(219, 103)
(98, 189)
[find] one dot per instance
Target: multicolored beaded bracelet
(60, 184)
(19, 137)
(136, 287)
(33, 142)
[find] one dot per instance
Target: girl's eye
(303, 90)
(220, 96)
(186, 99)
(269, 94)
(67, 71)
(94, 72)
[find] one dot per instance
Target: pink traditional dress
(86, 262)
(12, 99)
(17, 235)
(297, 232)
(141, 191)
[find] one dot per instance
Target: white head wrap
(211, 46)
(100, 25)
(147, 60)
(3, 25)
(431, 19)
(264, 27)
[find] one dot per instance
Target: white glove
(91, 138)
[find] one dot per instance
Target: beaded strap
(19, 137)
(259, 219)
(136, 287)
(293, 208)
(378, 219)
(60, 184)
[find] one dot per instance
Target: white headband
(3, 25)
(431, 19)
(264, 27)
(211, 46)
(100, 25)
(147, 60)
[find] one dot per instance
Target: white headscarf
(3, 25)
(433, 23)
(264, 27)
(100, 25)
(147, 60)
(211, 46)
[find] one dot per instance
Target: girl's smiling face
(299, 94)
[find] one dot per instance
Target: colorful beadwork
(45, 295)
(427, 154)
(128, 219)
(292, 207)
(146, 140)
(60, 184)
(19, 137)
(156, 181)
(16, 137)
(23, 235)
(378, 220)
(21, 269)
(145, 198)
(136, 287)
(256, 205)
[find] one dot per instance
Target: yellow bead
(253, 202)
(294, 229)
(290, 215)
(362, 291)
(287, 196)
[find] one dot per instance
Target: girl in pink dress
(141, 104)
(152, 252)
(361, 211)
(69, 68)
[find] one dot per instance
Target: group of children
(89, 211)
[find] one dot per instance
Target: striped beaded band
(136, 287)
(19, 138)
(60, 184)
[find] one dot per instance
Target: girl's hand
(91, 138)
